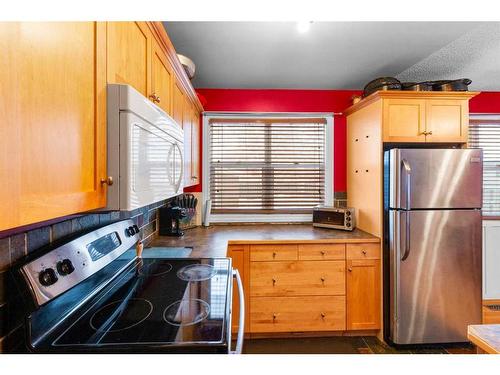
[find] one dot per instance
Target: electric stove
(95, 295)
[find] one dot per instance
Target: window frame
(485, 117)
(267, 218)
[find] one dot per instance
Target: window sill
(260, 218)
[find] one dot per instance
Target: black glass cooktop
(156, 302)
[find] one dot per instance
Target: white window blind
(485, 134)
(266, 165)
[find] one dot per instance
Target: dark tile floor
(344, 345)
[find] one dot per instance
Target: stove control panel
(64, 267)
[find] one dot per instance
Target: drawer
(297, 278)
(264, 253)
(320, 251)
(297, 314)
(363, 251)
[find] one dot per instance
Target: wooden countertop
(485, 337)
(212, 241)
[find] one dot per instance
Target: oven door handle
(241, 323)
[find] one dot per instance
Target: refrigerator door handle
(407, 169)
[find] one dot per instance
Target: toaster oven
(334, 217)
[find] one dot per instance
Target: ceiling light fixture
(303, 26)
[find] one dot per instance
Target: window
(484, 132)
(262, 167)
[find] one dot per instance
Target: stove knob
(136, 229)
(47, 277)
(65, 267)
(130, 231)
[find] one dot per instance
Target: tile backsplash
(16, 246)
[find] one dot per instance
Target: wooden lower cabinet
(297, 278)
(363, 294)
(308, 287)
(288, 314)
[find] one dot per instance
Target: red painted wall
(242, 100)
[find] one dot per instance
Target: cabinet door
(447, 120)
(195, 147)
(53, 132)
(161, 79)
(128, 54)
(187, 126)
(363, 294)
(177, 103)
(237, 255)
(403, 120)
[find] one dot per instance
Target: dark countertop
(212, 241)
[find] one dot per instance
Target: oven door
(241, 323)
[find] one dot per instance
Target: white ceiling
(336, 55)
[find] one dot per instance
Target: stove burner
(186, 312)
(154, 268)
(121, 315)
(196, 272)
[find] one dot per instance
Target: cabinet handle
(323, 253)
(274, 281)
(349, 269)
(274, 255)
(364, 252)
(323, 280)
(275, 316)
(323, 315)
(108, 181)
(154, 98)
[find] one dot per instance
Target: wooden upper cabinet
(404, 120)
(195, 147)
(53, 143)
(162, 79)
(447, 120)
(128, 54)
(187, 126)
(177, 103)
(363, 294)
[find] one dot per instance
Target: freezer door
(435, 178)
(436, 289)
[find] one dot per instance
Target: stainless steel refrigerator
(433, 201)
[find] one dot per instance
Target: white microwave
(145, 149)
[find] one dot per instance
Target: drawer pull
(364, 252)
(323, 280)
(274, 254)
(274, 281)
(323, 253)
(349, 269)
(275, 317)
(323, 315)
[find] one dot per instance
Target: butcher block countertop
(486, 337)
(212, 241)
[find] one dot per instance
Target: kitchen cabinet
(239, 255)
(53, 132)
(195, 148)
(187, 126)
(363, 283)
(129, 55)
(162, 79)
(178, 103)
(425, 117)
(447, 120)
(310, 286)
(397, 117)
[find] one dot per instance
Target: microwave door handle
(241, 322)
(407, 169)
